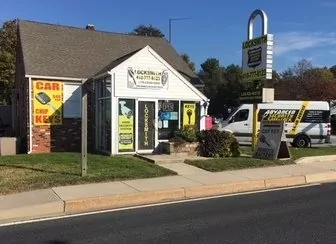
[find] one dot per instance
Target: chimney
(90, 27)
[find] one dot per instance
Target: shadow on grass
(39, 170)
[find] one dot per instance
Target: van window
(241, 115)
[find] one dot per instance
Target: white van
(306, 122)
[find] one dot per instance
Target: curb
(314, 159)
(33, 211)
(150, 197)
(78, 206)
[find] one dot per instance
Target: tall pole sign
(257, 62)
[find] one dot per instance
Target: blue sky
(301, 28)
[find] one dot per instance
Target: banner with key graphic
(189, 114)
(48, 102)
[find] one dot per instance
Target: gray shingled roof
(63, 51)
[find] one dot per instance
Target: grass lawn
(223, 164)
(29, 172)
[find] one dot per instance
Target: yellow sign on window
(189, 114)
(48, 102)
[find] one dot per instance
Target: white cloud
(296, 41)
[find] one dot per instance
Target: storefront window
(168, 118)
(103, 111)
(126, 128)
(104, 88)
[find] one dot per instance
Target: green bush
(214, 143)
(188, 134)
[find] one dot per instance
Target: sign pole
(84, 130)
(254, 126)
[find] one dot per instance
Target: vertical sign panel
(146, 125)
(189, 114)
(126, 125)
(48, 102)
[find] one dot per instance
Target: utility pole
(170, 25)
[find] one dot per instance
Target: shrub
(188, 134)
(214, 143)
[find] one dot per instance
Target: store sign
(272, 142)
(251, 95)
(146, 129)
(48, 102)
(126, 125)
(189, 114)
(258, 58)
(145, 78)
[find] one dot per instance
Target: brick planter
(173, 148)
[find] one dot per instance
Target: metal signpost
(84, 128)
(257, 62)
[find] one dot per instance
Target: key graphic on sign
(44, 99)
(189, 113)
(131, 74)
(263, 140)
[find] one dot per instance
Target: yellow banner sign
(126, 125)
(189, 114)
(48, 102)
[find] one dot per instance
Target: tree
(186, 59)
(212, 75)
(150, 30)
(305, 82)
(333, 70)
(301, 67)
(316, 84)
(8, 41)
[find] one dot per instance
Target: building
(139, 90)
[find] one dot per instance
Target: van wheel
(301, 141)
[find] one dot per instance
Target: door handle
(246, 124)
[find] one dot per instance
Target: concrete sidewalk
(92, 197)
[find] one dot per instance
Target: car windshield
(232, 112)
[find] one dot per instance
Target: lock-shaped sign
(257, 52)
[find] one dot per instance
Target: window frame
(232, 120)
(69, 115)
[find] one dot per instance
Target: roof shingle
(63, 51)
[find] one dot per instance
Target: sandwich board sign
(272, 143)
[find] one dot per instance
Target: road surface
(300, 215)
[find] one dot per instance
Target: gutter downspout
(30, 116)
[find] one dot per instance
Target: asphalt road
(300, 215)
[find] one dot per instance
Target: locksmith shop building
(139, 90)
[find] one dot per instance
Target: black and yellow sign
(126, 125)
(146, 129)
(189, 114)
(251, 96)
(299, 118)
(48, 102)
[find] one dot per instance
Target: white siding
(177, 89)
